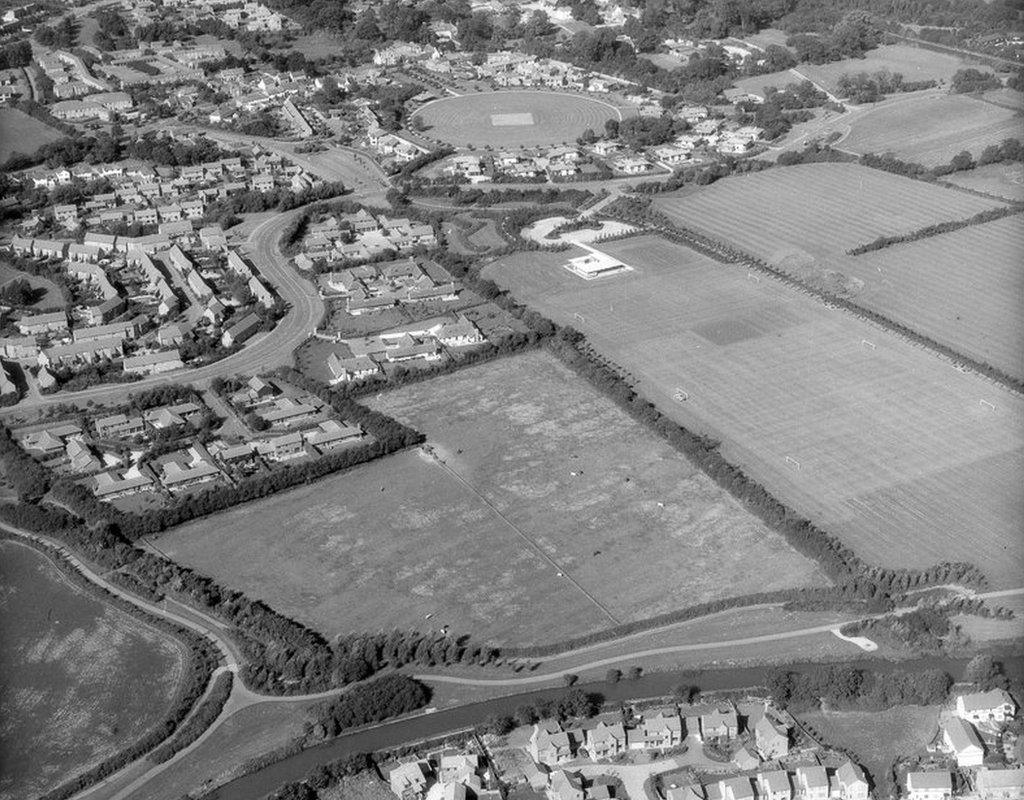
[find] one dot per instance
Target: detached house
(980, 707)
(738, 788)
(720, 723)
(929, 785)
(772, 739)
(409, 781)
(550, 745)
(661, 729)
(606, 740)
(850, 782)
(774, 785)
(961, 740)
(813, 783)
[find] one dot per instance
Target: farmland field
(535, 461)
(888, 448)
(931, 128)
(1000, 180)
(819, 211)
(81, 680)
(20, 133)
(514, 118)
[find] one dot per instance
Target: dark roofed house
(241, 330)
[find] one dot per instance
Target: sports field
(805, 218)
(931, 128)
(20, 133)
(80, 679)
(542, 476)
(998, 180)
(962, 288)
(887, 447)
(514, 119)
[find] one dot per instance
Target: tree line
(935, 230)
(197, 724)
(375, 701)
(850, 688)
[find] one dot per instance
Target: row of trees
(197, 724)
(870, 87)
(16, 54)
(934, 230)
(388, 696)
(847, 687)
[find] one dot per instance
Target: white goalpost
(987, 404)
(579, 318)
(866, 343)
(752, 277)
(681, 395)
(792, 462)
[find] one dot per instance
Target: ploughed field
(541, 475)
(887, 447)
(931, 128)
(514, 118)
(81, 680)
(958, 288)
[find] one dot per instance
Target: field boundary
(727, 253)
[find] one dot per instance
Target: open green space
(20, 133)
(804, 219)
(50, 296)
(999, 180)
(913, 63)
(514, 118)
(877, 738)
(931, 128)
(81, 680)
(875, 439)
(541, 475)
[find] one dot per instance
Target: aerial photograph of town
(512, 399)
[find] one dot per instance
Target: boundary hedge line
(197, 724)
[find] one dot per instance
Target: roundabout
(514, 118)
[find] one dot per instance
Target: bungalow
(929, 785)
(813, 783)
(49, 441)
(1000, 784)
(961, 740)
(170, 416)
(287, 412)
(606, 740)
(772, 739)
(850, 781)
(410, 780)
(774, 785)
(119, 426)
(994, 705)
(154, 363)
(661, 729)
(240, 331)
(459, 333)
(330, 433)
(356, 368)
(188, 468)
(80, 457)
(283, 447)
(111, 485)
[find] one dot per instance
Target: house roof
(983, 701)
(930, 780)
(775, 781)
(961, 735)
(849, 773)
(813, 777)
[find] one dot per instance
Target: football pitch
(909, 461)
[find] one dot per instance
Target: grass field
(20, 133)
(895, 454)
(999, 180)
(819, 211)
(878, 738)
(50, 297)
(514, 119)
(914, 63)
(931, 128)
(963, 288)
(80, 679)
(636, 527)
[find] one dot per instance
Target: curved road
(305, 309)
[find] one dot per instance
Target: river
(389, 735)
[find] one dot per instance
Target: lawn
(931, 128)
(20, 133)
(542, 476)
(998, 180)
(886, 447)
(50, 296)
(804, 219)
(81, 680)
(514, 118)
(877, 738)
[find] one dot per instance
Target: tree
(611, 128)
(635, 673)
(613, 675)
(537, 25)
(985, 672)
(685, 692)
(526, 715)
(569, 679)
(366, 26)
(500, 725)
